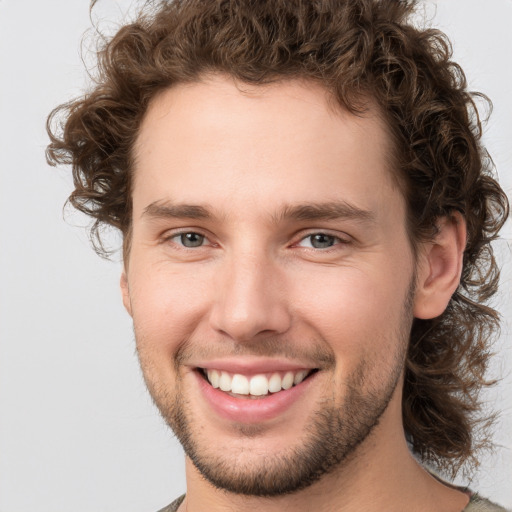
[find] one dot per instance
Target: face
(269, 279)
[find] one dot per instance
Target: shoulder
(173, 507)
(479, 504)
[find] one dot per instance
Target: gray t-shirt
(476, 504)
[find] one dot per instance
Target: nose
(250, 299)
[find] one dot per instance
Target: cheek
(357, 312)
(168, 304)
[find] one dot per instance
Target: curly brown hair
(357, 49)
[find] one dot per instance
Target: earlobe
(125, 291)
(440, 267)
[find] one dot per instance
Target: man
(306, 212)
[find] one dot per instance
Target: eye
(189, 239)
(320, 241)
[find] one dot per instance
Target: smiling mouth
(255, 386)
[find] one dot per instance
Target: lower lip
(251, 410)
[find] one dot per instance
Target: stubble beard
(332, 437)
(334, 433)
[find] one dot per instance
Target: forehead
(232, 144)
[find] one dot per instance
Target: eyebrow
(332, 210)
(171, 210)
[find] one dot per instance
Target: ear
(440, 267)
(125, 291)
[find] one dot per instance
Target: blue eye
(319, 241)
(190, 239)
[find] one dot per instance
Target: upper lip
(249, 366)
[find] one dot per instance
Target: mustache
(314, 352)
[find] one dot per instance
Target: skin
(255, 289)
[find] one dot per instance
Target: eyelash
(337, 240)
(182, 234)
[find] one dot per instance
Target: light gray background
(77, 429)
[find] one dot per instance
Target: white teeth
(299, 377)
(288, 380)
(240, 384)
(275, 383)
(225, 382)
(258, 385)
(213, 377)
